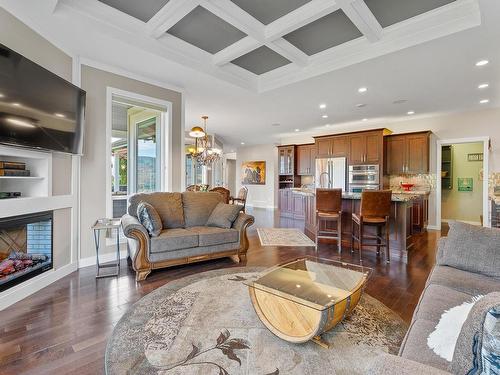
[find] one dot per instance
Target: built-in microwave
(364, 175)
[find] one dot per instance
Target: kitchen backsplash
(422, 182)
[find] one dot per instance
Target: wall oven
(364, 177)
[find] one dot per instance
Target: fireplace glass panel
(25, 247)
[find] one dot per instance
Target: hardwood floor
(63, 328)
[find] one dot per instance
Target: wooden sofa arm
(138, 243)
(243, 221)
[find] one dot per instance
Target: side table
(105, 224)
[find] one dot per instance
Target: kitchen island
(401, 220)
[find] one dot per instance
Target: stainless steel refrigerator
(331, 173)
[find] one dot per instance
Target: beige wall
(260, 195)
(95, 167)
(17, 36)
(461, 205)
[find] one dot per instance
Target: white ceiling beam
(299, 17)
(235, 50)
(233, 14)
(288, 50)
(169, 15)
(363, 18)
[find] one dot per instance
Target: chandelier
(204, 151)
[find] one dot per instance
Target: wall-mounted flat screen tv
(38, 109)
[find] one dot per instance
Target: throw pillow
(443, 339)
(472, 248)
(478, 346)
(149, 218)
(223, 215)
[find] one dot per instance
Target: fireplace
(25, 247)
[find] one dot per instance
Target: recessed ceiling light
(242, 143)
(16, 104)
(297, 130)
(410, 112)
(360, 105)
(327, 125)
(482, 63)
(2, 95)
(365, 119)
(298, 285)
(483, 86)
(484, 101)
(275, 124)
(325, 116)
(322, 106)
(362, 90)
(59, 115)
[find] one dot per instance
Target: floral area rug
(206, 324)
(283, 237)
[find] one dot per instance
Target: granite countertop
(396, 197)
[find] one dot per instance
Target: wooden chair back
(328, 200)
(242, 194)
(223, 191)
(376, 203)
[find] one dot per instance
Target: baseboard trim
(261, 206)
(433, 227)
(103, 258)
(27, 288)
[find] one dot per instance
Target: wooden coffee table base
(297, 323)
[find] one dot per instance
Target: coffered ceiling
(261, 45)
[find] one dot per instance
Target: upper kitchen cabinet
(334, 146)
(286, 160)
(408, 153)
(366, 147)
(306, 159)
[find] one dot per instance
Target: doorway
(462, 181)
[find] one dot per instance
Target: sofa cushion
(415, 345)
(198, 207)
(149, 218)
(223, 215)
(479, 340)
(168, 206)
(436, 299)
(174, 239)
(472, 248)
(209, 236)
(194, 252)
(463, 281)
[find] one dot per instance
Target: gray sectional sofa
(185, 237)
(467, 265)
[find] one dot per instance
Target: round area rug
(206, 324)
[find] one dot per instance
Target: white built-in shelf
(38, 185)
(21, 178)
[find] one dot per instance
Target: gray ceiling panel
(143, 10)
(261, 60)
(329, 31)
(267, 11)
(206, 31)
(389, 12)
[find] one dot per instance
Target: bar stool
(328, 209)
(374, 211)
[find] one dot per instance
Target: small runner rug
(283, 237)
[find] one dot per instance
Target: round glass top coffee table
(300, 300)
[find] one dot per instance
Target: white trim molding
(33, 285)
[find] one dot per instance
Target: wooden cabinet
(421, 213)
(366, 148)
(306, 159)
(298, 206)
(335, 146)
(407, 153)
(286, 160)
